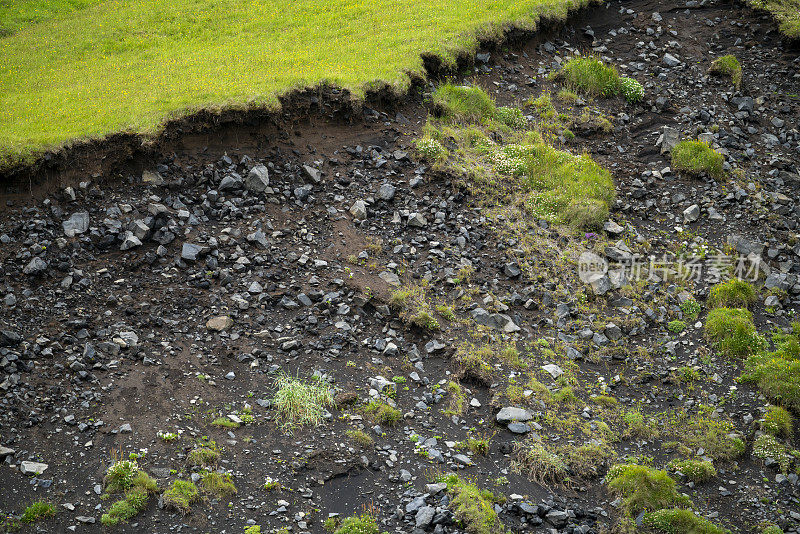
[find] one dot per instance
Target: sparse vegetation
(383, 414)
(361, 437)
(777, 373)
(778, 422)
(591, 76)
(695, 470)
(219, 484)
(138, 487)
(787, 13)
(205, 454)
(360, 524)
(697, 158)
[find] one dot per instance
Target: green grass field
(87, 69)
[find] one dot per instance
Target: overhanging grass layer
(786, 12)
(130, 66)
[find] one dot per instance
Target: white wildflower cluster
(632, 90)
(430, 148)
(512, 117)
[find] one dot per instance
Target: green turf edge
(17, 162)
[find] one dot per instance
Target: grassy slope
(18, 14)
(787, 13)
(127, 65)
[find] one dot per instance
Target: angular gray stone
(32, 468)
(257, 179)
(358, 210)
(424, 516)
(36, 266)
(386, 192)
(691, 214)
(313, 174)
(78, 223)
(511, 414)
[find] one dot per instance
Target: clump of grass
(37, 511)
(697, 158)
(542, 465)
(586, 460)
(786, 12)
(462, 103)
(777, 373)
(137, 495)
(429, 149)
(181, 495)
(361, 437)
(457, 399)
(733, 331)
(359, 524)
(733, 293)
(120, 475)
(680, 521)
(772, 529)
(383, 414)
(777, 421)
(695, 470)
(219, 484)
(479, 445)
(567, 97)
(677, 326)
(473, 507)
(301, 402)
(638, 425)
(643, 488)
(562, 188)
(727, 66)
(591, 76)
(690, 308)
(204, 455)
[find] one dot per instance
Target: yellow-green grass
(18, 14)
(786, 12)
(130, 66)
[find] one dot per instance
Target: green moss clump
(681, 521)
(734, 293)
(591, 76)
(181, 495)
(224, 422)
(697, 158)
(206, 455)
(733, 331)
(677, 326)
(695, 470)
(474, 507)
(37, 511)
(728, 66)
(643, 488)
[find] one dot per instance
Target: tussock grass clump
(462, 103)
(219, 484)
(383, 413)
(695, 470)
(361, 437)
(37, 511)
(591, 76)
(301, 402)
(224, 422)
(541, 464)
(414, 307)
(733, 293)
(359, 524)
(643, 488)
(778, 422)
(733, 331)
(181, 495)
(727, 66)
(697, 158)
(777, 373)
(473, 507)
(681, 521)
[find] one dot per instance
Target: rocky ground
(156, 302)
